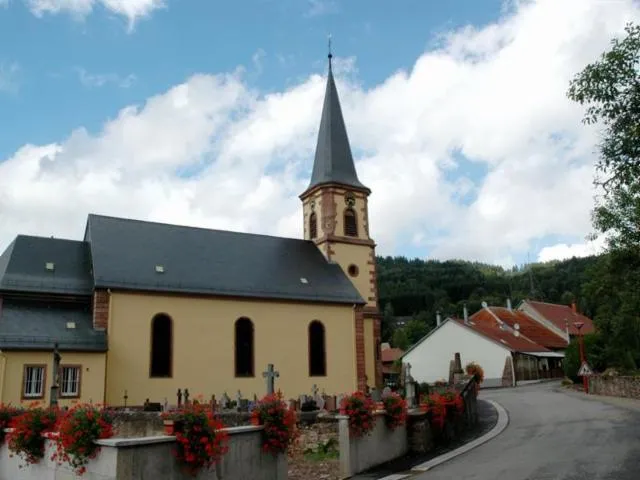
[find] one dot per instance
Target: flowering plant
(27, 440)
(453, 398)
(396, 408)
(473, 368)
(78, 429)
(279, 423)
(359, 408)
(7, 412)
(436, 404)
(201, 440)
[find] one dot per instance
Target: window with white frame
(70, 381)
(33, 381)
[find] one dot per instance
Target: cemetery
(336, 436)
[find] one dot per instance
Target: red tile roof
(391, 354)
(529, 327)
(492, 331)
(560, 314)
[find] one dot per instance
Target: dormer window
(50, 266)
(350, 223)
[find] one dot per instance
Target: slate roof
(29, 325)
(333, 161)
(560, 314)
(125, 254)
(529, 327)
(22, 266)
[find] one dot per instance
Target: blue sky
(64, 71)
(194, 36)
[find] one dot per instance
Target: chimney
(465, 312)
(574, 309)
(438, 318)
(509, 304)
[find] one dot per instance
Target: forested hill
(418, 288)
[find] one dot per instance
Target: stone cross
(408, 373)
(238, 398)
(271, 376)
(315, 390)
(53, 401)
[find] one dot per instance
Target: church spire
(333, 162)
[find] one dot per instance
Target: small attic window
(50, 266)
(159, 268)
(304, 280)
(71, 325)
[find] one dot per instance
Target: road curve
(552, 435)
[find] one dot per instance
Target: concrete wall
(628, 387)
(381, 445)
(92, 372)
(203, 337)
(430, 359)
(150, 457)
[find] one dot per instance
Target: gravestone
(243, 405)
(238, 399)
(329, 402)
(386, 391)
(179, 398)
(271, 376)
(375, 395)
(225, 401)
(339, 400)
(319, 399)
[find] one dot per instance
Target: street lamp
(585, 379)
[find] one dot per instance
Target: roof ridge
(174, 225)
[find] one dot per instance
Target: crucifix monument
(271, 376)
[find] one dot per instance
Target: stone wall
(615, 386)
(150, 457)
(379, 446)
(322, 432)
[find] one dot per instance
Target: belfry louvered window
(350, 223)
(313, 225)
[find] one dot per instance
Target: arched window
(161, 346)
(244, 347)
(313, 225)
(317, 350)
(350, 223)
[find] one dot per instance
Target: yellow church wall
(203, 347)
(369, 352)
(346, 254)
(92, 374)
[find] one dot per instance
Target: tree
(610, 88)
(400, 339)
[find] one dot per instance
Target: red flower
(26, 440)
(359, 408)
(78, 429)
(396, 408)
(279, 423)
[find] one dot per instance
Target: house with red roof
(390, 369)
(505, 354)
(558, 318)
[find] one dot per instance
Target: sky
(205, 113)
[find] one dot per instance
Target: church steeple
(333, 162)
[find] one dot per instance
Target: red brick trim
(361, 371)
(378, 356)
(100, 310)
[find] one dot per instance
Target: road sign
(585, 370)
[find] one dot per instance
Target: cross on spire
(330, 54)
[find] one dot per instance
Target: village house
(391, 357)
(511, 346)
(139, 309)
(559, 318)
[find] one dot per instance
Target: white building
(504, 354)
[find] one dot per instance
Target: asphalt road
(553, 436)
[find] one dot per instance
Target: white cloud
(562, 251)
(214, 152)
(132, 10)
(101, 79)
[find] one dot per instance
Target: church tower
(336, 219)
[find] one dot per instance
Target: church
(137, 310)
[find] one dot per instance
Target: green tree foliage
(610, 89)
(594, 350)
(416, 290)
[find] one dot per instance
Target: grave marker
(271, 376)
